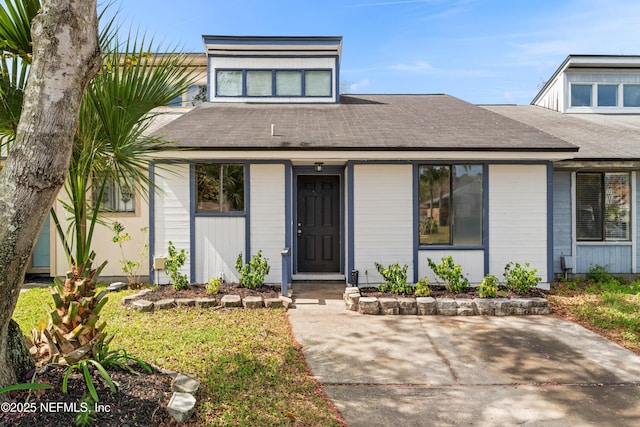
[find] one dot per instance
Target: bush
(214, 285)
(252, 274)
(422, 288)
(488, 288)
(395, 279)
(173, 263)
(450, 274)
(598, 274)
(519, 278)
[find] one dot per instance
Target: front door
(318, 224)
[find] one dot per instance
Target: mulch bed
(199, 291)
(438, 291)
(141, 400)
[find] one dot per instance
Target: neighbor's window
(317, 83)
(219, 188)
(259, 83)
(631, 95)
(288, 83)
(607, 95)
(450, 205)
(581, 95)
(603, 206)
(229, 83)
(116, 198)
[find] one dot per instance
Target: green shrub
(422, 288)
(213, 286)
(252, 274)
(519, 278)
(450, 273)
(173, 264)
(488, 288)
(395, 279)
(598, 274)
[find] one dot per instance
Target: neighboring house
(278, 160)
(593, 102)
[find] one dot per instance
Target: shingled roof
(599, 136)
(358, 122)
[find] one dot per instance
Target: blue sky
(483, 51)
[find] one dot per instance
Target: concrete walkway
(480, 371)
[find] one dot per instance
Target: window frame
(274, 88)
(113, 190)
(452, 215)
(604, 239)
(195, 192)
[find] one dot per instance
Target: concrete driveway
(481, 371)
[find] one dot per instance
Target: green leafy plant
(450, 273)
(598, 274)
(86, 415)
(173, 263)
(129, 268)
(252, 274)
(488, 288)
(395, 279)
(25, 386)
(519, 278)
(83, 366)
(213, 286)
(422, 288)
(118, 358)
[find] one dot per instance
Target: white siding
(472, 263)
(172, 213)
(383, 219)
(268, 216)
(518, 217)
(218, 243)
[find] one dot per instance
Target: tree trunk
(66, 56)
(19, 355)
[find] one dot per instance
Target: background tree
(66, 56)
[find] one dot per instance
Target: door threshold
(317, 276)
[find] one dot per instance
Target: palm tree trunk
(66, 56)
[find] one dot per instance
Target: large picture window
(603, 206)
(219, 188)
(450, 204)
(275, 83)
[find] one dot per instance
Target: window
(631, 95)
(603, 206)
(450, 204)
(581, 95)
(116, 199)
(607, 95)
(261, 83)
(219, 188)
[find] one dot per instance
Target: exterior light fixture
(318, 166)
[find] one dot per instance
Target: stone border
(135, 302)
(425, 306)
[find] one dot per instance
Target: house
(327, 184)
(593, 102)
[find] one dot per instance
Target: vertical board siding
(219, 240)
(383, 219)
(562, 217)
(616, 258)
(172, 213)
(472, 263)
(518, 217)
(634, 223)
(268, 220)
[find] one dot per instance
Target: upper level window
(263, 83)
(607, 95)
(631, 95)
(581, 95)
(219, 188)
(603, 206)
(450, 205)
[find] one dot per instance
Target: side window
(219, 188)
(116, 198)
(603, 206)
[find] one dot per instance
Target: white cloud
(416, 67)
(358, 86)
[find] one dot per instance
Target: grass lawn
(607, 306)
(252, 371)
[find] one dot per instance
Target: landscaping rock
(426, 306)
(116, 286)
(503, 307)
(408, 306)
(389, 306)
(466, 307)
(142, 305)
(128, 299)
(352, 301)
(368, 305)
(164, 304)
(143, 292)
(520, 306)
(206, 302)
(185, 383)
(188, 302)
(229, 301)
(352, 290)
(540, 310)
(446, 307)
(485, 306)
(273, 303)
(181, 406)
(252, 302)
